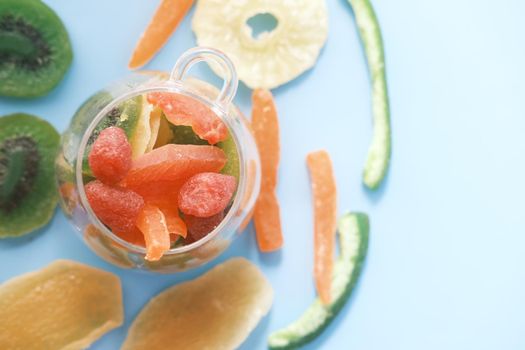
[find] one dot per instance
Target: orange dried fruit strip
(166, 19)
(325, 220)
(152, 223)
(265, 127)
(174, 222)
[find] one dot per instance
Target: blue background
(447, 251)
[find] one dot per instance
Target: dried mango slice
(215, 311)
(273, 58)
(66, 305)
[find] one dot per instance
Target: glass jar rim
(172, 87)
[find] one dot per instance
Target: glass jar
(71, 179)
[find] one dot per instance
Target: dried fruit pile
(171, 194)
(165, 172)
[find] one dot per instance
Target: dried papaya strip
(324, 193)
(174, 223)
(166, 19)
(265, 126)
(152, 223)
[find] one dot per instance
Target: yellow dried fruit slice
(272, 58)
(146, 130)
(63, 306)
(165, 134)
(154, 125)
(215, 311)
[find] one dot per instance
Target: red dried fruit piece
(116, 207)
(160, 191)
(152, 223)
(110, 156)
(200, 227)
(184, 110)
(135, 236)
(206, 194)
(173, 163)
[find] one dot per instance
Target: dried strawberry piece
(200, 227)
(116, 207)
(110, 155)
(206, 194)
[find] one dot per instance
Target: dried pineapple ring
(275, 57)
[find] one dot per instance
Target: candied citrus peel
(152, 223)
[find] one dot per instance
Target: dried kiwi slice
(28, 194)
(125, 116)
(35, 51)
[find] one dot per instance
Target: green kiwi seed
(28, 194)
(35, 51)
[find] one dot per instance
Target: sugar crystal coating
(110, 156)
(206, 194)
(116, 207)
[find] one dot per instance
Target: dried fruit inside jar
(164, 169)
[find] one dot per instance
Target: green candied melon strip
(380, 149)
(353, 231)
(232, 166)
(184, 135)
